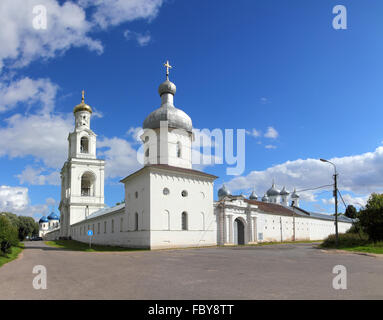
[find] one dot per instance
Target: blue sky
(237, 65)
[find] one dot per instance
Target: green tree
(351, 212)
(8, 235)
(371, 217)
(27, 227)
(13, 219)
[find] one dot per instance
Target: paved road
(297, 271)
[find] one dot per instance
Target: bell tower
(82, 176)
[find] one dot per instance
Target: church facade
(167, 203)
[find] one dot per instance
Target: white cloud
(360, 175)
(16, 200)
(264, 100)
(135, 133)
(66, 27)
(270, 146)
(348, 199)
(142, 39)
(33, 176)
(113, 12)
(42, 136)
(254, 132)
(271, 133)
(120, 157)
(13, 199)
(29, 92)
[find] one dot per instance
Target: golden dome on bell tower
(82, 106)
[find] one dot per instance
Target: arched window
(147, 152)
(84, 145)
(136, 221)
(87, 185)
(184, 221)
(179, 150)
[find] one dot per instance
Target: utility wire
(342, 199)
(328, 185)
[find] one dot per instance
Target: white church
(167, 203)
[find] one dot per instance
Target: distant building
(48, 224)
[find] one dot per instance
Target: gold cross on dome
(167, 66)
(83, 96)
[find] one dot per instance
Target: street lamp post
(336, 201)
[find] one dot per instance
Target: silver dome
(167, 87)
(295, 195)
(223, 192)
(253, 196)
(273, 191)
(176, 118)
(284, 192)
(265, 198)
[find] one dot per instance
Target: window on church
(104, 226)
(121, 224)
(84, 145)
(179, 150)
(98, 228)
(136, 194)
(136, 221)
(184, 221)
(166, 191)
(184, 193)
(87, 181)
(112, 226)
(147, 152)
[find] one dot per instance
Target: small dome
(284, 192)
(253, 196)
(82, 106)
(53, 216)
(223, 192)
(265, 198)
(167, 87)
(43, 219)
(272, 192)
(294, 195)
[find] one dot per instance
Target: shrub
(345, 240)
(8, 235)
(371, 218)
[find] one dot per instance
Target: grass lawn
(369, 248)
(80, 246)
(11, 256)
(353, 242)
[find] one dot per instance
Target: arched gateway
(239, 231)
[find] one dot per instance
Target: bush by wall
(8, 235)
(345, 240)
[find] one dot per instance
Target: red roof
(272, 208)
